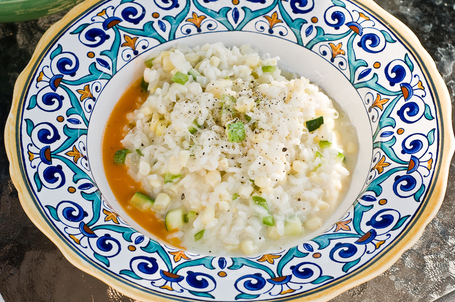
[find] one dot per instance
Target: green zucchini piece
(194, 127)
(268, 220)
(325, 144)
(236, 132)
(235, 196)
(268, 68)
(141, 201)
(144, 84)
(168, 177)
(194, 73)
(292, 226)
(314, 124)
(190, 216)
(120, 155)
(340, 157)
(179, 78)
(199, 235)
(174, 219)
(149, 62)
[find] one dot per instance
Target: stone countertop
(33, 269)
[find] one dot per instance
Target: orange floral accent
(343, 225)
(379, 102)
(196, 20)
(273, 20)
(429, 164)
(420, 85)
(85, 93)
(336, 49)
(75, 239)
(75, 154)
(179, 255)
(378, 244)
(40, 77)
(381, 165)
(110, 216)
(363, 16)
(269, 258)
(287, 291)
(130, 42)
(101, 13)
(31, 156)
(167, 287)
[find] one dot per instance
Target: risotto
(233, 156)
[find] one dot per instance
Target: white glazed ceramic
(368, 62)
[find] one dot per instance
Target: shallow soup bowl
(367, 62)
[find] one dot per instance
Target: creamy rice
(229, 141)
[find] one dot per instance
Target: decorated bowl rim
(392, 252)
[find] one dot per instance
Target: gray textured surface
(33, 269)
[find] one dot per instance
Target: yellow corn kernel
(161, 201)
(160, 128)
(208, 215)
(299, 166)
(262, 181)
(167, 64)
(173, 165)
(154, 122)
(224, 206)
(272, 232)
(215, 61)
(314, 223)
(248, 247)
(213, 178)
(223, 164)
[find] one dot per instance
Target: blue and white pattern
(71, 75)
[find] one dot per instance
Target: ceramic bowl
(368, 62)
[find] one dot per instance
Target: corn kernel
(248, 247)
(224, 206)
(223, 164)
(215, 61)
(245, 191)
(167, 64)
(154, 122)
(272, 232)
(262, 181)
(162, 200)
(322, 205)
(299, 166)
(160, 127)
(207, 215)
(314, 223)
(144, 167)
(154, 180)
(213, 178)
(173, 165)
(184, 156)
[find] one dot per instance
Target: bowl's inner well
(293, 58)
